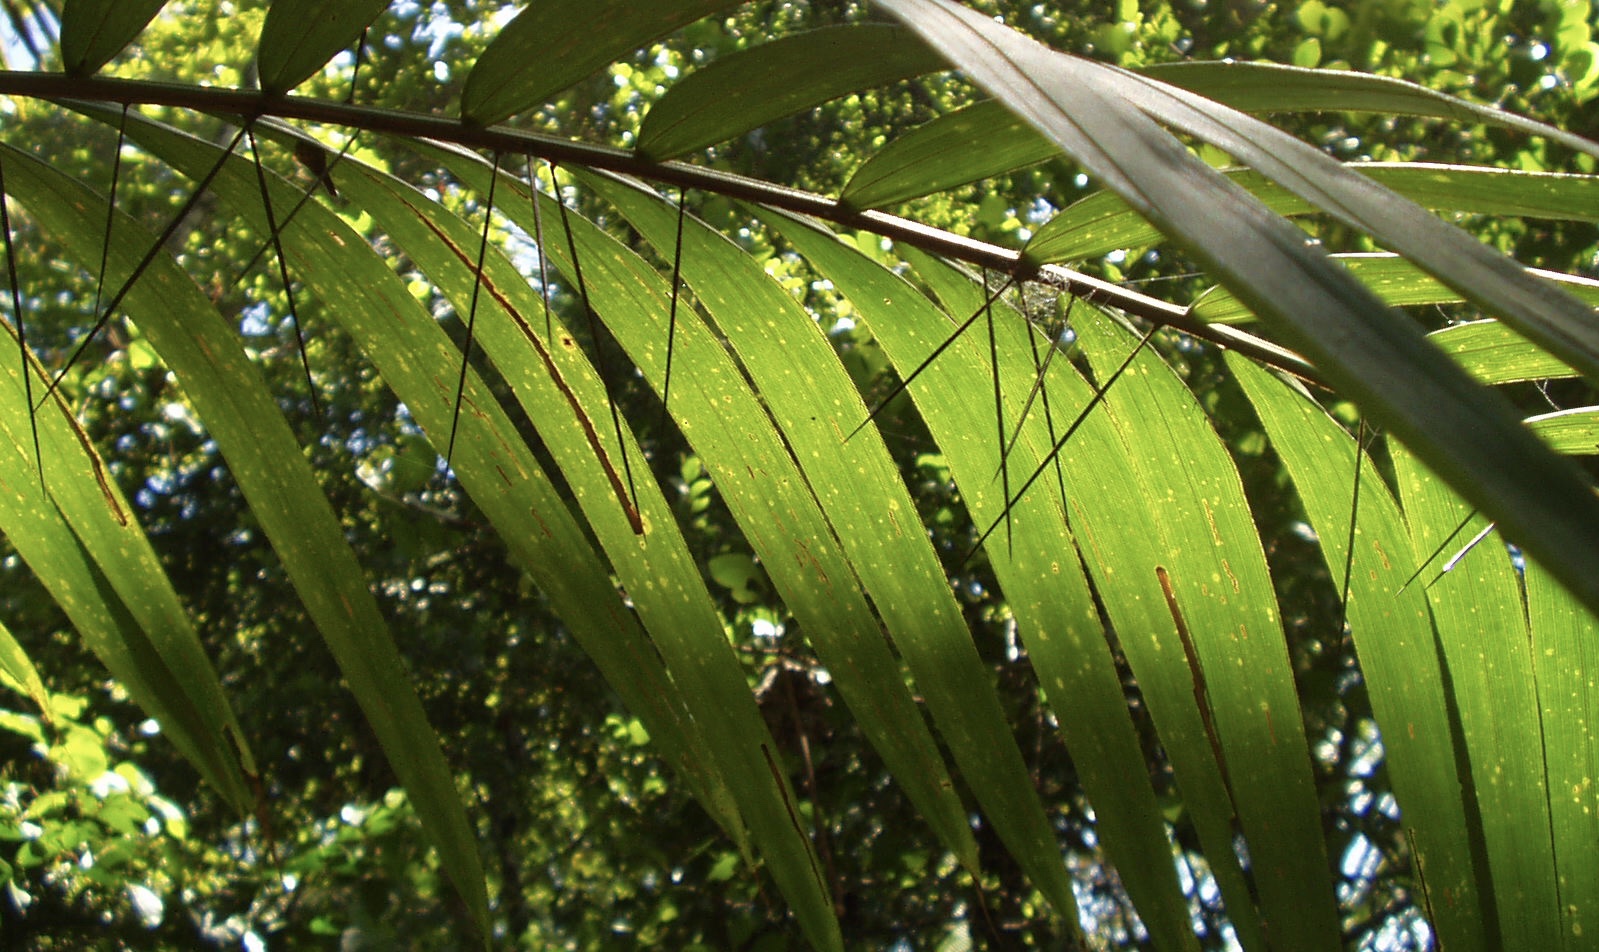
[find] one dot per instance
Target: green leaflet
(300, 36)
(1564, 637)
(655, 568)
(1103, 222)
(553, 44)
(1494, 354)
(18, 673)
(78, 534)
(752, 467)
(938, 155)
(864, 499)
(493, 463)
(1394, 638)
(744, 90)
(240, 414)
(93, 31)
(1039, 572)
(1574, 431)
(1211, 557)
(1368, 352)
(1392, 278)
(1477, 612)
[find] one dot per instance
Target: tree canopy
(710, 475)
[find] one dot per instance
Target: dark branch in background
(248, 105)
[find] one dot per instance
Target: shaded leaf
(553, 44)
(240, 414)
(93, 31)
(1103, 222)
(300, 36)
(747, 89)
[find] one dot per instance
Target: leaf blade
(196, 343)
(1054, 608)
(93, 31)
(1393, 637)
(1482, 628)
(554, 44)
(1212, 551)
(1371, 354)
(300, 36)
(741, 91)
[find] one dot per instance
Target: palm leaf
(1374, 355)
(1393, 636)
(75, 532)
(93, 31)
(550, 46)
(1103, 222)
(936, 156)
(777, 79)
(191, 336)
(1131, 544)
(299, 36)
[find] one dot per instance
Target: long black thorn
(355, 71)
(1043, 392)
(283, 274)
(999, 405)
(471, 312)
(601, 364)
(316, 161)
(671, 321)
(22, 333)
(320, 178)
(144, 263)
(1354, 513)
(1422, 567)
(1060, 444)
(938, 351)
(538, 238)
(111, 207)
(1038, 386)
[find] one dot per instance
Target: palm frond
(1132, 559)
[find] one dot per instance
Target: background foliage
(587, 838)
